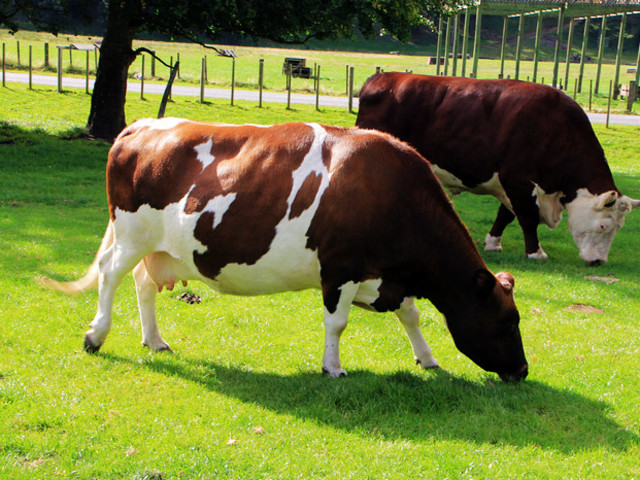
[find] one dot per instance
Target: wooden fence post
(289, 82)
(59, 70)
(536, 53)
(603, 32)
(519, 45)
(142, 80)
(623, 23)
(609, 101)
(454, 63)
(18, 51)
(86, 83)
(447, 44)
(233, 78)
(465, 42)
(30, 67)
(260, 81)
(351, 89)
(476, 40)
(583, 52)
(568, 60)
(318, 89)
(504, 44)
(439, 46)
(46, 55)
(202, 68)
(3, 66)
(556, 54)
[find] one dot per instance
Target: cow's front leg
(493, 240)
(410, 319)
(147, 290)
(335, 321)
(528, 215)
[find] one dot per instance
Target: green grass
(242, 363)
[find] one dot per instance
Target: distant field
(242, 397)
(333, 66)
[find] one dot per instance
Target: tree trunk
(107, 117)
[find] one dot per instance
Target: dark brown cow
(256, 210)
(529, 145)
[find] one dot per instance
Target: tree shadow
(434, 405)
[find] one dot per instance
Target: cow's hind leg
(492, 242)
(410, 319)
(147, 290)
(113, 265)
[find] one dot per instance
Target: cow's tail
(90, 280)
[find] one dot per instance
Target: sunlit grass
(243, 397)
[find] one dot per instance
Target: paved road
(273, 97)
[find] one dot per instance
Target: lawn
(243, 397)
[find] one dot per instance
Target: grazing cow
(530, 146)
(254, 210)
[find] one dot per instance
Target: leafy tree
(283, 21)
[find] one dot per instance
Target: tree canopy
(282, 21)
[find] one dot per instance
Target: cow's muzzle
(516, 376)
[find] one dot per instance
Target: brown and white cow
(530, 146)
(254, 210)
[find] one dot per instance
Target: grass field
(242, 396)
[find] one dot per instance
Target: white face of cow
(594, 221)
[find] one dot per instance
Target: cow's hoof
(428, 364)
(492, 244)
(340, 372)
(89, 346)
(162, 347)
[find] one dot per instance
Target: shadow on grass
(415, 406)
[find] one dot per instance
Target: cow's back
(476, 128)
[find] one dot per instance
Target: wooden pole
(556, 54)
(30, 67)
(609, 102)
(4, 73)
(476, 39)
(346, 82)
(454, 64)
(351, 71)
(46, 55)
(504, 44)
(439, 46)
(632, 95)
(59, 70)
(142, 80)
(318, 89)
(289, 75)
(603, 33)
(86, 75)
(616, 81)
(260, 81)
(447, 44)
(536, 53)
(18, 50)
(465, 42)
(583, 52)
(590, 92)
(519, 45)
(202, 67)
(568, 60)
(233, 78)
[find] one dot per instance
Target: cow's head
(594, 221)
(486, 329)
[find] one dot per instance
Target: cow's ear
(634, 203)
(606, 200)
(484, 282)
(506, 280)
